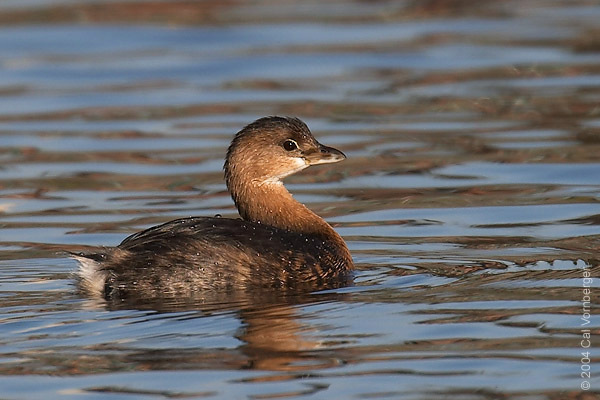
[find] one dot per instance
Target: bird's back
(198, 254)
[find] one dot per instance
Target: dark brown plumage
(279, 243)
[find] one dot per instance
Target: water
(469, 199)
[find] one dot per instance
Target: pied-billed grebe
(278, 242)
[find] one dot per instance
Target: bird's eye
(290, 145)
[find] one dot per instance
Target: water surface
(469, 199)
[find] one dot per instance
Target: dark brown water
(470, 197)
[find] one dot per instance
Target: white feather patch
(92, 278)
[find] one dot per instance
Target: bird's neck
(270, 203)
